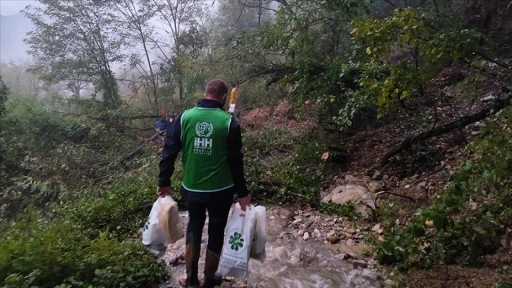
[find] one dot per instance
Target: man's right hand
(245, 202)
(163, 191)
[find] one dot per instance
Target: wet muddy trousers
(217, 204)
(192, 253)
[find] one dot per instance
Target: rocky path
(304, 249)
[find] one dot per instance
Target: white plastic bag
(240, 241)
(163, 226)
(258, 251)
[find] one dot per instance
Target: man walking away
(211, 142)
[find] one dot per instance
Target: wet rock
(375, 186)
(309, 223)
(351, 179)
(376, 175)
(280, 253)
(175, 252)
(333, 238)
(357, 194)
(308, 214)
(286, 235)
(350, 242)
(359, 264)
(361, 278)
(422, 185)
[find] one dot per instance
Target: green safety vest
(204, 135)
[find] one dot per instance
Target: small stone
(376, 227)
(359, 264)
(488, 97)
(306, 236)
(301, 232)
(333, 238)
(285, 235)
(280, 253)
(307, 214)
(350, 179)
(375, 186)
(350, 231)
(407, 186)
(297, 221)
(422, 185)
(307, 224)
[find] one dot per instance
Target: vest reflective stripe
(204, 135)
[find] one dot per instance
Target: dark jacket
(173, 146)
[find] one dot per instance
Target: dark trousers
(217, 204)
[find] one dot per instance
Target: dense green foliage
(408, 49)
(89, 243)
(70, 211)
(276, 163)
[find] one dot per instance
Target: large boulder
(359, 195)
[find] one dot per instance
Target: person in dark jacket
(210, 140)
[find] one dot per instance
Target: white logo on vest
(202, 144)
(204, 129)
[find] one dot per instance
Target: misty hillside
(12, 31)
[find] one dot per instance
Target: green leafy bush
(38, 253)
(411, 47)
(284, 163)
(121, 208)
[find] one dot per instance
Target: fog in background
(13, 29)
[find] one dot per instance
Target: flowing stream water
(292, 261)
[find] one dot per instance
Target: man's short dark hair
(217, 88)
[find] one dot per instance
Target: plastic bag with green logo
(238, 238)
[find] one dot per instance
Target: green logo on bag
(236, 241)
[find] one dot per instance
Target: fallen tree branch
(133, 117)
(376, 195)
(137, 150)
(459, 123)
